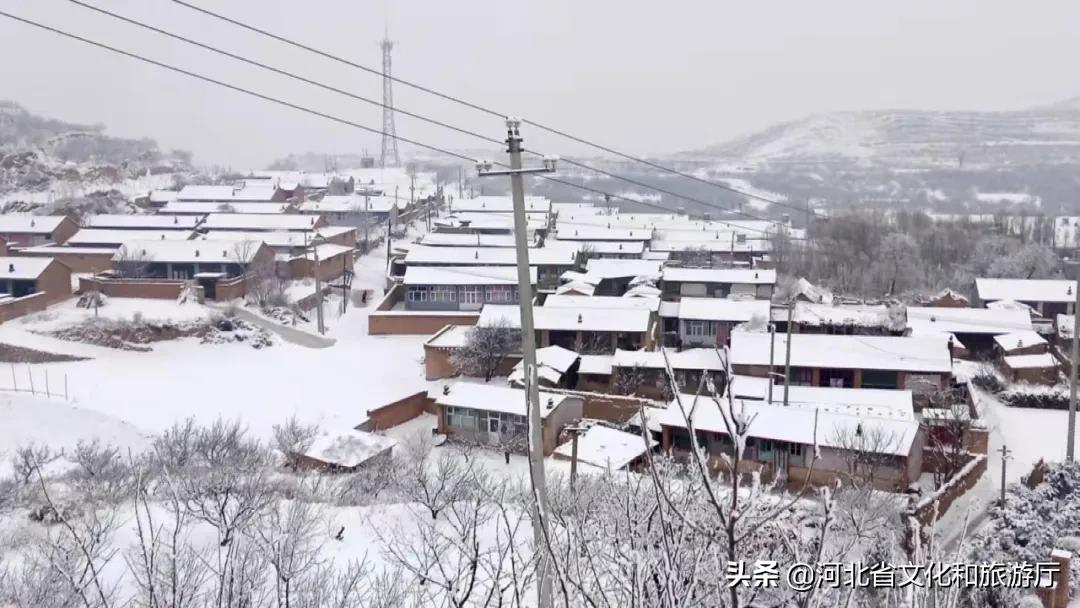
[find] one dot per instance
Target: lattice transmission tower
(389, 156)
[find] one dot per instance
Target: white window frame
(472, 294)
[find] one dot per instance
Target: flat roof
(204, 208)
(576, 301)
(1031, 361)
(240, 221)
(923, 319)
(99, 236)
(570, 319)
(607, 448)
(800, 425)
(348, 448)
(1026, 290)
(690, 358)
(23, 268)
(474, 396)
(720, 275)
(141, 221)
(203, 252)
(723, 309)
(614, 269)
(463, 275)
(486, 256)
(29, 224)
(1019, 339)
(927, 354)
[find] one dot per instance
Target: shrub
(1042, 397)
(988, 380)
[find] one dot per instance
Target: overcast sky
(641, 75)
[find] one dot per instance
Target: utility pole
(315, 242)
(1005, 455)
(1070, 448)
(460, 183)
(787, 356)
(389, 230)
(367, 217)
(528, 347)
(772, 349)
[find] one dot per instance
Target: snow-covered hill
(1047, 134)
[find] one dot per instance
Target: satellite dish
(438, 439)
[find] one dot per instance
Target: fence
(35, 384)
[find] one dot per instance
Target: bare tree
(132, 263)
(433, 481)
(26, 460)
(293, 438)
(866, 451)
(485, 349)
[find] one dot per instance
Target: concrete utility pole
(1070, 448)
(315, 242)
(1005, 455)
(787, 356)
(367, 216)
(528, 347)
(772, 349)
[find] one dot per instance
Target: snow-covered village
(289, 342)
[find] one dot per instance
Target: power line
(320, 114)
(383, 105)
(486, 110)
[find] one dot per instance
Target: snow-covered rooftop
(858, 315)
(690, 358)
(924, 320)
(29, 224)
(1019, 339)
(484, 256)
(498, 204)
(602, 247)
(458, 239)
(450, 336)
(1026, 290)
(720, 275)
(349, 203)
(551, 362)
(203, 252)
(23, 268)
(596, 364)
(714, 245)
(204, 208)
(1009, 305)
(868, 401)
(575, 232)
(1031, 361)
(250, 221)
(251, 192)
(324, 251)
(721, 309)
(102, 236)
(576, 288)
(141, 221)
(799, 425)
(278, 239)
(614, 269)
(572, 301)
(570, 319)
(463, 275)
(491, 398)
(349, 448)
(607, 448)
(911, 353)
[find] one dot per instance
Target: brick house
(32, 230)
(496, 415)
(1049, 297)
(921, 364)
(783, 440)
(708, 322)
(677, 283)
(25, 276)
(583, 330)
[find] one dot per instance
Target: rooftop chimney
(11, 268)
(446, 389)
(196, 253)
(579, 318)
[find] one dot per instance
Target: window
(873, 378)
(472, 294)
(444, 293)
(461, 419)
(693, 290)
(795, 449)
(700, 329)
(680, 439)
(419, 294)
(500, 293)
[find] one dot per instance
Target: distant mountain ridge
(916, 138)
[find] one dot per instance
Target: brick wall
(155, 289)
(17, 307)
(230, 289)
(398, 412)
(55, 281)
(936, 505)
(612, 408)
(381, 323)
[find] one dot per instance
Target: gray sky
(640, 75)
